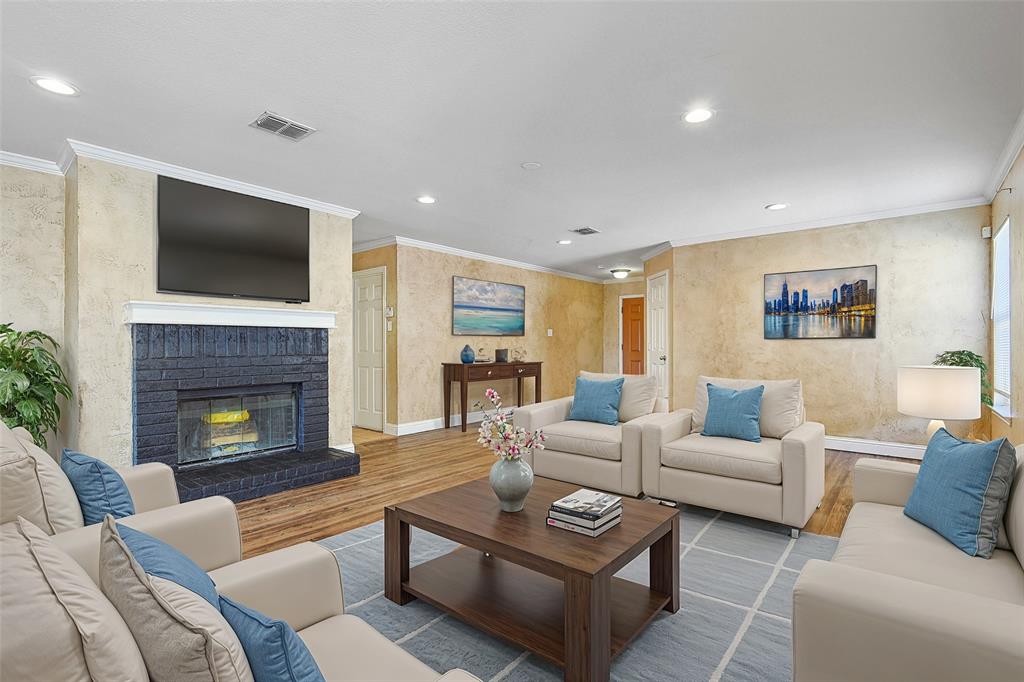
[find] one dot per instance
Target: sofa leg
(794, 533)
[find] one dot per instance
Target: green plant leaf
(29, 409)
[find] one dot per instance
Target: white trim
(656, 251)
(29, 163)
(451, 250)
(668, 329)
(623, 297)
(433, 424)
(637, 278)
(383, 271)
(1002, 168)
(161, 312)
(347, 447)
(833, 222)
(874, 447)
(92, 151)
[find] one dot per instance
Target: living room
(684, 344)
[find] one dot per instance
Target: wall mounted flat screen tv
(220, 243)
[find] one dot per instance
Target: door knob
(663, 358)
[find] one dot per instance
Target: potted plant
(511, 477)
(966, 358)
(31, 382)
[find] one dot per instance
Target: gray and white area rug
(737, 577)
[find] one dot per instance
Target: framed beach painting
(481, 308)
(837, 303)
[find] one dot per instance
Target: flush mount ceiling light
(54, 85)
(776, 207)
(426, 199)
(620, 273)
(698, 115)
(530, 165)
(564, 242)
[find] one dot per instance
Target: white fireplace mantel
(165, 312)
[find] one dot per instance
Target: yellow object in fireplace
(227, 417)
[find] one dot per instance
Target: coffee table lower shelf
(520, 605)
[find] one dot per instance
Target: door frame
(668, 323)
(622, 299)
(383, 270)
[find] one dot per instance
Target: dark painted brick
(183, 373)
(170, 341)
(150, 386)
(226, 382)
(156, 397)
(149, 419)
(156, 341)
(195, 384)
(154, 441)
(148, 374)
(295, 378)
(156, 363)
(221, 372)
(153, 408)
(140, 341)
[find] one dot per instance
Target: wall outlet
(389, 325)
(551, 332)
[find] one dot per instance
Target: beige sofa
(300, 585)
(780, 479)
(899, 602)
(602, 456)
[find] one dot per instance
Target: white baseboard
(874, 447)
(347, 447)
(433, 424)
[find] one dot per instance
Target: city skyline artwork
(833, 303)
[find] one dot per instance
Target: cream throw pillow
(62, 505)
(33, 485)
(782, 407)
(56, 624)
(639, 393)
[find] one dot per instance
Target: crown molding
(834, 222)
(1014, 145)
(656, 251)
(451, 250)
(29, 163)
(92, 151)
(637, 278)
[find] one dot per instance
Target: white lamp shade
(937, 392)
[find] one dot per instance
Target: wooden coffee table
(546, 589)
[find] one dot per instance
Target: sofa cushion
(639, 393)
(879, 537)
(274, 649)
(961, 490)
(20, 491)
(596, 401)
(585, 438)
(733, 414)
(761, 462)
(100, 489)
(56, 624)
(157, 558)
(782, 407)
(347, 649)
(59, 499)
(1013, 519)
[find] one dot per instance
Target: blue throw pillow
(596, 401)
(734, 414)
(961, 490)
(275, 651)
(160, 559)
(99, 488)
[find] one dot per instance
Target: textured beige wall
(612, 292)
(571, 307)
(1012, 204)
(111, 256)
(386, 256)
(932, 296)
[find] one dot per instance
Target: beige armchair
(899, 602)
(602, 456)
(780, 479)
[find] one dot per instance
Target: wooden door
(633, 335)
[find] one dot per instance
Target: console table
(485, 371)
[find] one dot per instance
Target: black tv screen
(220, 243)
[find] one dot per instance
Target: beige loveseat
(780, 479)
(899, 602)
(300, 585)
(602, 456)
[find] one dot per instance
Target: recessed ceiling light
(426, 199)
(620, 273)
(698, 115)
(776, 207)
(530, 165)
(54, 85)
(564, 242)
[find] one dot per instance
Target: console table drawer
(525, 370)
(477, 372)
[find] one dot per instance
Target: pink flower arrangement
(501, 436)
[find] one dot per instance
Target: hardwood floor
(400, 468)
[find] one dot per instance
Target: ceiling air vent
(285, 127)
(585, 230)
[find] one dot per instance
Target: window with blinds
(1001, 315)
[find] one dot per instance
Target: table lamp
(938, 392)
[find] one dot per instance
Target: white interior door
(657, 330)
(368, 349)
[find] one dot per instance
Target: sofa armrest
(803, 472)
(883, 481)
(854, 624)
(205, 530)
(658, 429)
(300, 585)
(458, 675)
(539, 415)
(151, 486)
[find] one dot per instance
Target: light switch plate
(551, 332)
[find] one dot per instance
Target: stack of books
(586, 512)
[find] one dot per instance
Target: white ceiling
(838, 109)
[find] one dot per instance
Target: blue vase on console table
(468, 356)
